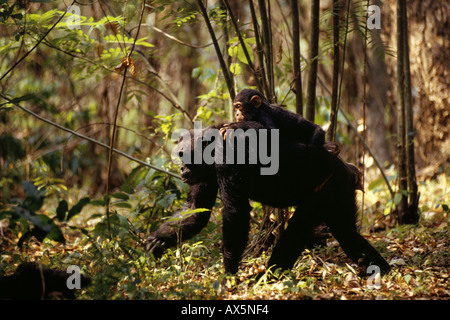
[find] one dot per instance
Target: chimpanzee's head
(190, 149)
(247, 104)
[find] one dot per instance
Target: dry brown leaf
(352, 281)
(114, 26)
(134, 70)
(127, 62)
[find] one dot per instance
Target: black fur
(201, 195)
(292, 125)
(317, 182)
(27, 281)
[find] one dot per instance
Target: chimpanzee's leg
(295, 237)
(236, 226)
(341, 219)
(356, 247)
(201, 195)
(236, 222)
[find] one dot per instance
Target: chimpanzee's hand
(224, 128)
(156, 246)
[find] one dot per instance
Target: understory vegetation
(77, 81)
(121, 268)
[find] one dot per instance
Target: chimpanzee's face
(183, 150)
(240, 114)
(246, 105)
(192, 173)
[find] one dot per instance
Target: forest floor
(121, 269)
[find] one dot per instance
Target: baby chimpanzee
(251, 105)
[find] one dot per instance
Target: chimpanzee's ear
(256, 100)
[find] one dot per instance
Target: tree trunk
(402, 204)
(331, 133)
(413, 216)
(378, 99)
(313, 58)
(261, 71)
(296, 57)
(267, 48)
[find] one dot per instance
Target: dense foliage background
(133, 72)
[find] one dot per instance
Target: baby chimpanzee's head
(247, 103)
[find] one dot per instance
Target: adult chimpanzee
(251, 105)
(318, 183)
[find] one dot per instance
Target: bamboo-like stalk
(401, 136)
(260, 51)
(296, 57)
(242, 42)
(411, 168)
(313, 58)
(223, 65)
(267, 48)
(358, 135)
(331, 132)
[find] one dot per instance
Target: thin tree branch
(171, 99)
(116, 114)
(267, 48)
(260, 51)
(242, 42)
(79, 135)
(178, 40)
(223, 65)
(35, 46)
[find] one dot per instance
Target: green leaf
(167, 200)
(62, 210)
(31, 190)
(56, 234)
(407, 278)
(398, 198)
(375, 183)
(235, 68)
(118, 38)
(44, 224)
(141, 42)
(237, 51)
(122, 205)
(98, 202)
(127, 189)
(18, 16)
(186, 214)
(121, 196)
(35, 198)
(76, 209)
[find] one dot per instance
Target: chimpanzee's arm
(201, 195)
(236, 219)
